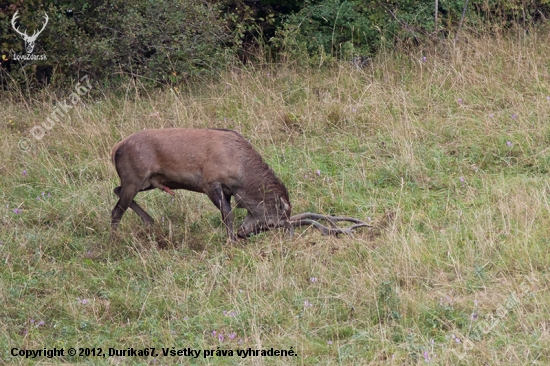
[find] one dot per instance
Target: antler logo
(29, 40)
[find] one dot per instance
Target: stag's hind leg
(223, 203)
(126, 196)
(145, 217)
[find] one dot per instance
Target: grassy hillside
(452, 140)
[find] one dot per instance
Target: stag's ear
(283, 205)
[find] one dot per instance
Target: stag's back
(194, 157)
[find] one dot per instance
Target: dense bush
(347, 29)
(167, 42)
(333, 27)
(160, 41)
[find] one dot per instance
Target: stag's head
(266, 216)
(29, 40)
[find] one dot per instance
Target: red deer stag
(220, 163)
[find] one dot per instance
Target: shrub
(159, 42)
(349, 29)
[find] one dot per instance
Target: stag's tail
(114, 152)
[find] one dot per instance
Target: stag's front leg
(223, 203)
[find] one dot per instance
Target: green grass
(456, 147)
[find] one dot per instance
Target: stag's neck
(261, 187)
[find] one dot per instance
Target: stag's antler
(312, 219)
(35, 34)
(24, 35)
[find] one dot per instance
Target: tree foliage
(159, 42)
(346, 29)
(166, 42)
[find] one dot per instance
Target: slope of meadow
(453, 141)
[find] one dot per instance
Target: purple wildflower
(307, 304)
(40, 323)
(509, 143)
(232, 335)
(220, 337)
(17, 211)
(214, 333)
(514, 116)
(24, 172)
(461, 179)
(426, 356)
(313, 279)
(491, 115)
(318, 172)
(460, 101)
(424, 59)
(329, 342)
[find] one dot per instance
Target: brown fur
(219, 163)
